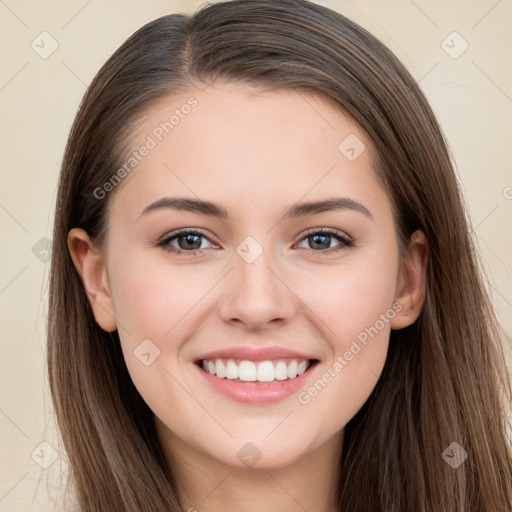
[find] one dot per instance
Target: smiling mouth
(246, 371)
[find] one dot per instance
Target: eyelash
(344, 241)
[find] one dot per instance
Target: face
(268, 281)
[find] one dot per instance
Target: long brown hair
(445, 377)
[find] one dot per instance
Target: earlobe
(92, 269)
(411, 283)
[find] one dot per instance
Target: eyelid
(328, 231)
(185, 231)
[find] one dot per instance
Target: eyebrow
(214, 210)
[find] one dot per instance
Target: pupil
(189, 240)
(325, 239)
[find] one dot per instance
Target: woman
(263, 370)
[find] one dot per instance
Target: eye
(321, 239)
(188, 241)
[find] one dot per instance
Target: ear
(411, 283)
(91, 267)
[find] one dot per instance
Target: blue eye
(189, 241)
(321, 237)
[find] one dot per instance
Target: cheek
(355, 310)
(155, 304)
(351, 298)
(151, 301)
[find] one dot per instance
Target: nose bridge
(259, 294)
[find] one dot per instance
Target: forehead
(241, 146)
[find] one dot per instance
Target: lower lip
(258, 392)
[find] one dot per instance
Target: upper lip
(254, 354)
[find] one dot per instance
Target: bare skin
(256, 154)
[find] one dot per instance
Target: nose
(257, 294)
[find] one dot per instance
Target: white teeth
(232, 370)
(266, 371)
(292, 369)
(249, 371)
(220, 369)
(281, 371)
(302, 367)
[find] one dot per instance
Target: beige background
(471, 94)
